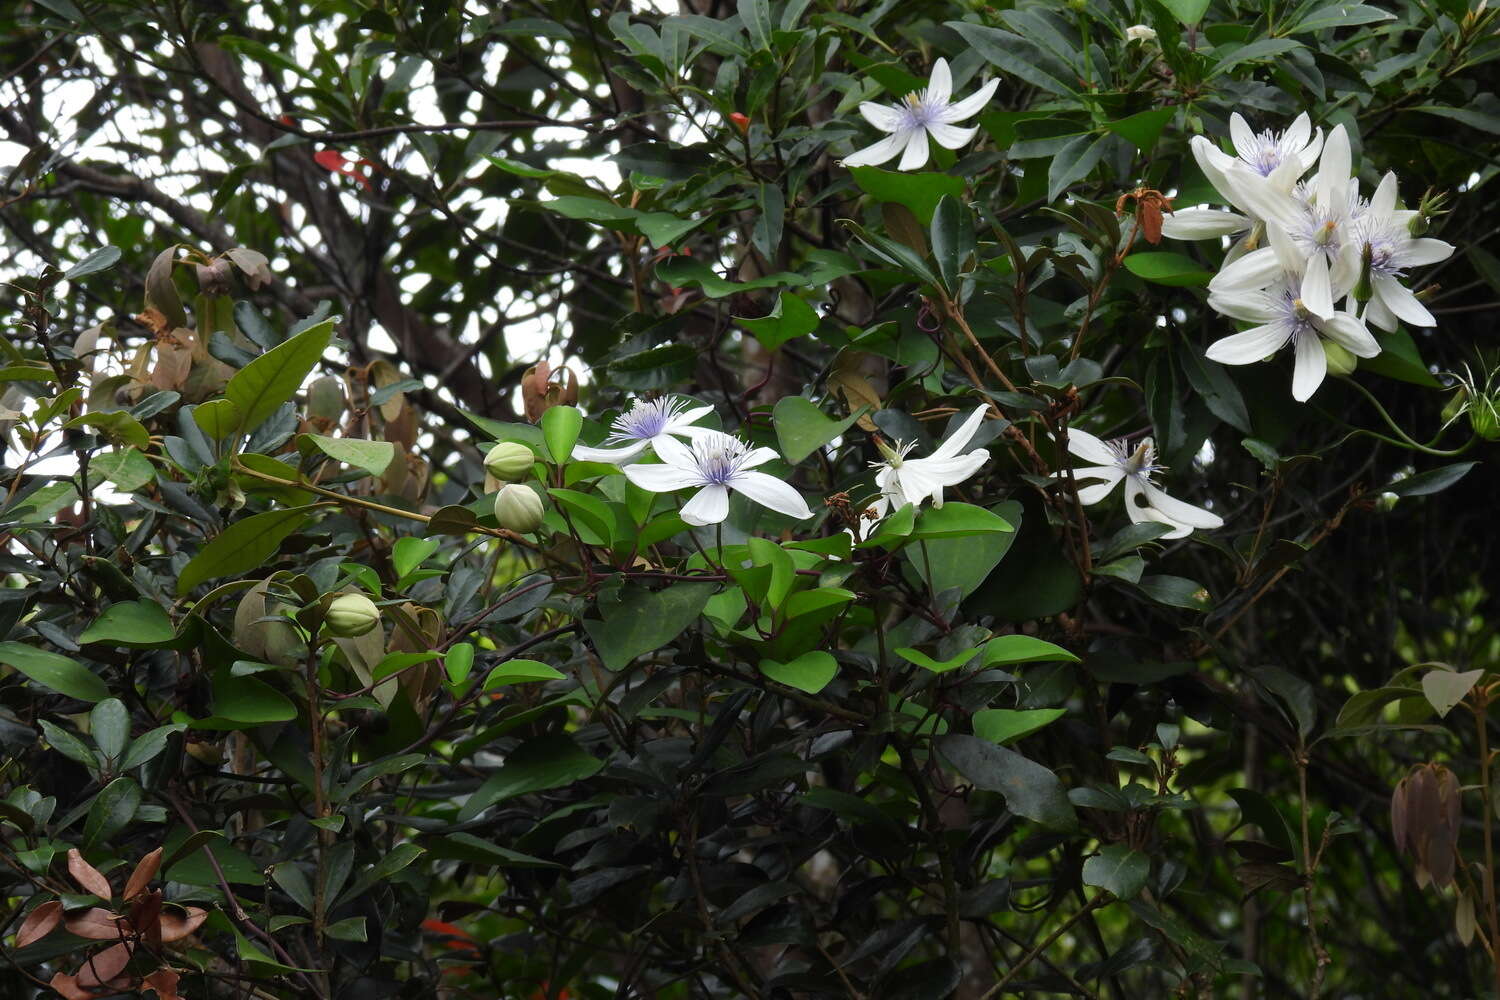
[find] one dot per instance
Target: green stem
(1406, 439)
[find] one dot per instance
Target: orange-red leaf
(39, 922)
(164, 982)
(68, 988)
(144, 872)
(89, 878)
(175, 926)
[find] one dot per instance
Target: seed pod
(350, 615)
(509, 461)
(325, 399)
(518, 508)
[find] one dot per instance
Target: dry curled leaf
(68, 988)
(145, 871)
(164, 982)
(95, 923)
(176, 926)
(39, 922)
(88, 877)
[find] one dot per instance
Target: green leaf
(1260, 49)
(467, 847)
(1431, 481)
(293, 881)
(379, 769)
(1177, 591)
(1399, 359)
(1187, 11)
(920, 192)
(1341, 15)
(348, 929)
(218, 418)
(410, 552)
(259, 388)
(1073, 162)
(1011, 53)
(957, 520)
(952, 234)
(92, 262)
(113, 808)
(679, 271)
(243, 546)
(1118, 869)
(921, 659)
(149, 745)
(54, 671)
(1022, 649)
(1163, 268)
(540, 764)
(644, 620)
(109, 725)
(802, 428)
(249, 700)
(810, 672)
(1445, 688)
(1030, 789)
(792, 317)
(390, 863)
(520, 672)
(127, 468)
(459, 662)
(372, 456)
(68, 745)
(560, 427)
(1000, 725)
(1142, 130)
(139, 624)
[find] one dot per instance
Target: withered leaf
(68, 988)
(176, 926)
(145, 871)
(95, 923)
(88, 877)
(39, 923)
(106, 965)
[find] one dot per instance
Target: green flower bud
(509, 461)
(1485, 419)
(518, 508)
(1363, 289)
(1456, 406)
(350, 615)
(279, 641)
(1340, 361)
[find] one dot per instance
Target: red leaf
(87, 876)
(144, 872)
(106, 965)
(39, 922)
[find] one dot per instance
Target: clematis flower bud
(1340, 361)
(509, 461)
(325, 399)
(350, 616)
(1140, 33)
(518, 508)
(1363, 289)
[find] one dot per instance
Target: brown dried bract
(1150, 204)
(1425, 818)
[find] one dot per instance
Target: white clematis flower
(717, 464)
(1267, 151)
(905, 480)
(923, 113)
(1116, 462)
(642, 426)
(1385, 230)
(1296, 306)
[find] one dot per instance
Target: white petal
(709, 505)
(1267, 198)
(1202, 224)
(951, 136)
(684, 420)
(1089, 448)
(915, 484)
(1255, 344)
(1317, 292)
(1288, 255)
(1179, 512)
(883, 116)
(1252, 307)
(880, 152)
(1376, 314)
(674, 452)
(1093, 493)
(758, 456)
(617, 456)
(951, 471)
(1250, 273)
(661, 478)
(1309, 154)
(1348, 332)
(1310, 368)
(915, 157)
(1344, 274)
(1383, 201)
(969, 106)
(1296, 135)
(768, 491)
(1243, 137)
(940, 86)
(1399, 300)
(960, 438)
(1424, 251)
(1333, 171)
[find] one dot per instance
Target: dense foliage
(541, 500)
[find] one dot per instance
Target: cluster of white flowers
(1315, 264)
(716, 464)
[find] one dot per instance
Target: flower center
(919, 110)
(718, 457)
(645, 419)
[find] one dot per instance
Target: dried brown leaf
(95, 923)
(145, 871)
(68, 988)
(89, 878)
(39, 922)
(106, 965)
(175, 926)
(164, 982)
